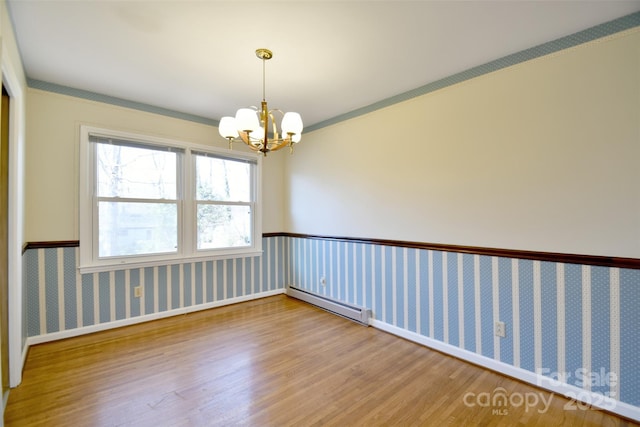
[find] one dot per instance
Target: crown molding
(120, 102)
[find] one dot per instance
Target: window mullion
(222, 203)
(186, 196)
(184, 208)
(135, 200)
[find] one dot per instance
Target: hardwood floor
(270, 362)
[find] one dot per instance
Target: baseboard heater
(352, 312)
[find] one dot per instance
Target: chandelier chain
(264, 96)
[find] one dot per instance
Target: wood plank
(270, 362)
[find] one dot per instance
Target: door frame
(16, 87)
(4, 250)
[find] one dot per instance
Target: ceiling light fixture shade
(227, 127)
(251, 125)
(246, 120)
(291, 123)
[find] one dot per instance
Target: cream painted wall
(540, 156)
(53, 123)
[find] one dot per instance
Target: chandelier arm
(276, 136)
(247, 139)
(244, 137)
(281, 144)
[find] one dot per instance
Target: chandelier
(251, 125)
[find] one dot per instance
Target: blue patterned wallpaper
(59, 298)
(561, 319)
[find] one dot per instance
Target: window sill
(128, 265)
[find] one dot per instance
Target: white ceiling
(330, 57)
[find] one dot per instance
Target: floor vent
(352, 312)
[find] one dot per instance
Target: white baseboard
(25, 353)
(54, 336)
(572, 392)
(15, 382)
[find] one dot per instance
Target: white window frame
(187, 226)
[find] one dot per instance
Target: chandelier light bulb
(258, 134)
(291, 123)
(227, 127)
(247, 120)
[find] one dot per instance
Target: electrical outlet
(501, 329)
(323, 281)
(137, 291)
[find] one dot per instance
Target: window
(146, 201)
(223, 202)
(136, 197)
